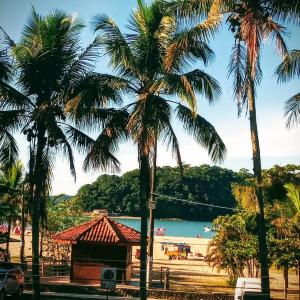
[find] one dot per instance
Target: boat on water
(208, 229)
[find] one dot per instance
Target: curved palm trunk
(263, 251)
(144, 197)
(37, 198)
(22, 227)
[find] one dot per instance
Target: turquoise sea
(174, 227)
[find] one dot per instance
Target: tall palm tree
(50, 68)
(288, 69)
(139, 62)
(251, 22)
(11, 182)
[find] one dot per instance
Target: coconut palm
(251, 22)
(288, 69)
(11, 182)
(138, 60)
(50, 68)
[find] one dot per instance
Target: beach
(198, 245)
(189, 274)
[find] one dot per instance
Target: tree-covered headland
(206, 184)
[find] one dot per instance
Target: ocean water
(174, 227)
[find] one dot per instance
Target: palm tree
(292, 206)
(50, 68)
(251, 22)
(11, 182)
(288, 69)
(285, 245)
(139, 62)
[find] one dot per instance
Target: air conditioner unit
(108, 278)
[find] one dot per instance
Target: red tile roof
(102, 230)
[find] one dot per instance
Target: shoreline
(159, 219)
(197, 244)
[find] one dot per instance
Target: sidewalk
(55, 295)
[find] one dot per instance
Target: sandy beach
(198, 245)
(185, 274)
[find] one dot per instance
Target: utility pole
(151, 219)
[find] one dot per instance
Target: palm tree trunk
(286, 281)
(144, 197)
(41, 242)
(8, 230)
(37, 198)
(263, 251)
(22, 227)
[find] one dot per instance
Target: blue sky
(278, 145)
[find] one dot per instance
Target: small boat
(207, 229)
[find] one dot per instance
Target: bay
(175, 227)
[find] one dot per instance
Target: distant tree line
(211, 185)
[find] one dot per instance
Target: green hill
(206, 184)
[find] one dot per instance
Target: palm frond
(9, 151)
(47, 48)
(191, 43)
(11, 178)
(290, 66)
(95, 91)
(292, 110)
(250, 33)
(68, 152)
(153, 28)
(193, 10)
(12, 98)
(203, 132)
(12, 120)
(237, 69)
(288, 11)
(169, 137)
(293, 195)
(8, 41)
(188, 46)
(187, 85)
(5, 66)
(277, 32)
(148, 118)
(58, 139)
(93, 119)
(83, 64)
(81, 141)
(115, 44)
(47, 166)
(101, 155)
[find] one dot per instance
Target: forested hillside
(211, 185)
